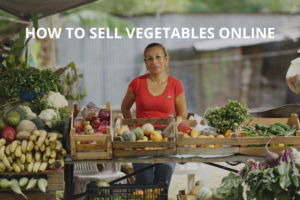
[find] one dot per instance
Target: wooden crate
(244, 141)
(101, 150)
(119, 145)
(183, 143)
(55, 180)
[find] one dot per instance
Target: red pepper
(258, 131)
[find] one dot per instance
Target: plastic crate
(127, 192)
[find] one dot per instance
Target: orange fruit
(227, 133)
(155, 136)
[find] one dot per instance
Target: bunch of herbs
(229, 117)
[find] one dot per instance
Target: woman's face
(155, 60)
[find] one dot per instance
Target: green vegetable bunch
(263, 181)
(14, 80)
(229, 117)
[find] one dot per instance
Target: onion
(147, 128)
(271, 157)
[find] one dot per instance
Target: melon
(202, 183)
(128, 136)
(204, 193)
(139, 133)
(194, 190)
(26, 125)
(102, 183)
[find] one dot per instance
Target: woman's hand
(127, 103)
(180, 106)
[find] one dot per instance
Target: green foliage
(14, 80)
(229, 117)
(71, 78)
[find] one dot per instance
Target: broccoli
(61, 127)
(65, 112)
(40, 124)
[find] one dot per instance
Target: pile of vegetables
(229, 117)
(48, 113)
(275, 177)
(35, 153)
(24, 183)
(261, 130)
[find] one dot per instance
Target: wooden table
(173, 159)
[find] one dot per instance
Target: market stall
(195, 141)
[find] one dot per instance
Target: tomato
(8, 133)
(78, 125)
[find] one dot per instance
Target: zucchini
(284, 126)
(261, 127)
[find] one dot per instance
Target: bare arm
(127, 103)
(180, 106)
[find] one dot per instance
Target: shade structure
(43, 8)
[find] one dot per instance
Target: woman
(157, 95)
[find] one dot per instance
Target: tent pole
(53, 47)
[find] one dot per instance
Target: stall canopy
(43, 8)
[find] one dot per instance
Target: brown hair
(155, 45)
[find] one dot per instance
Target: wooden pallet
(245, 141)
(101, 150)
(119, 146)
(55, 180)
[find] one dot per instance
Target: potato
(23, 135)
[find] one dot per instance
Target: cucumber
(279, 128)
(261, 127)
(284, 126)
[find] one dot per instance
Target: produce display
(39, 152)
(146, 133)
(261, 130)
(17, 185)
(91, 121)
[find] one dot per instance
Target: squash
(194, 190)
(216, 195)
(139, 133)
(204, 193)
(128, 136)
(202, 183)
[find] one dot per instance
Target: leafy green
(14, 80)
(280, 181)
(229, 117)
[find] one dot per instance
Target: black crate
(127, 192)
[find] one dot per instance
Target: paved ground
(215, 175)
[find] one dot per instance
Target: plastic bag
(88, 112)
(293, 76)
(204, 129)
